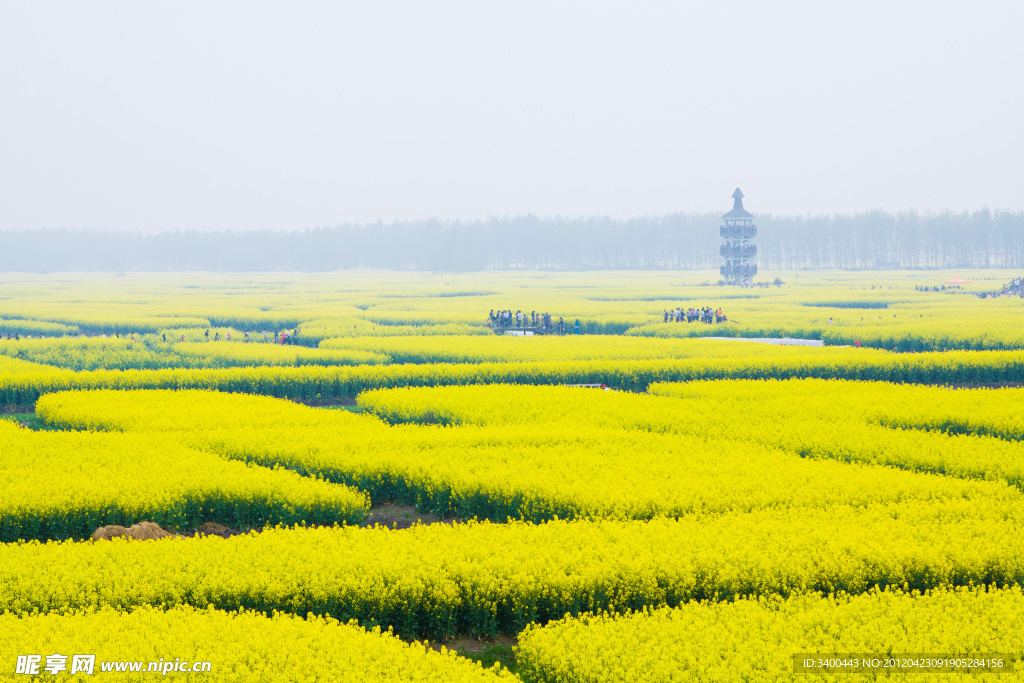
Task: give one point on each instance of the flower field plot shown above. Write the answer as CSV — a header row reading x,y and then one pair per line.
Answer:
x,y
507,349
514,467
196,645
66,484
881,634
727,507
970,434
890,310
483,579
149,352
314,383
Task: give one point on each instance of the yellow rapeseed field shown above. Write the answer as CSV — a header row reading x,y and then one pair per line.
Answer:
x,y
518,467
757,639
973,434
211,645
486,578
66,484
730,504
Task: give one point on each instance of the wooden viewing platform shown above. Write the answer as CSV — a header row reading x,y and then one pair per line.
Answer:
x,y
1014,287
532,329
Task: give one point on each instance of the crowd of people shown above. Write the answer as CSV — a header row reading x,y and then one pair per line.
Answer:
x,y
280,336
521,320
935,288
696,315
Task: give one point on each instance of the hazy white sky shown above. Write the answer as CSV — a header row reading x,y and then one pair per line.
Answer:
x,y
249,115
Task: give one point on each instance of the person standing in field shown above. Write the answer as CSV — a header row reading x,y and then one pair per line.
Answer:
x,y
576,327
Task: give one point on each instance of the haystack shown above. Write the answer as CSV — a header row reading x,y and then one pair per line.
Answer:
x,y
143,531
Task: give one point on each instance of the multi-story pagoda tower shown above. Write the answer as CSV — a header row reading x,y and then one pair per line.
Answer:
x,y
739,253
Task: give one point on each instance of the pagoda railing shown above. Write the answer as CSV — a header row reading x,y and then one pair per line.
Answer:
x,y
738,250
736,272
741,231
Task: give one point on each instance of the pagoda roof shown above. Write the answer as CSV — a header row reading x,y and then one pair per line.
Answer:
x,y
737,207
738,213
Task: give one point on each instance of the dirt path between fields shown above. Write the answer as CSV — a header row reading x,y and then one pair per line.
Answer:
x,y
403,517
470,646
396,517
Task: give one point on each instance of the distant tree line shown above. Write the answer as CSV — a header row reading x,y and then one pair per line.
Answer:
x,y
872,240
